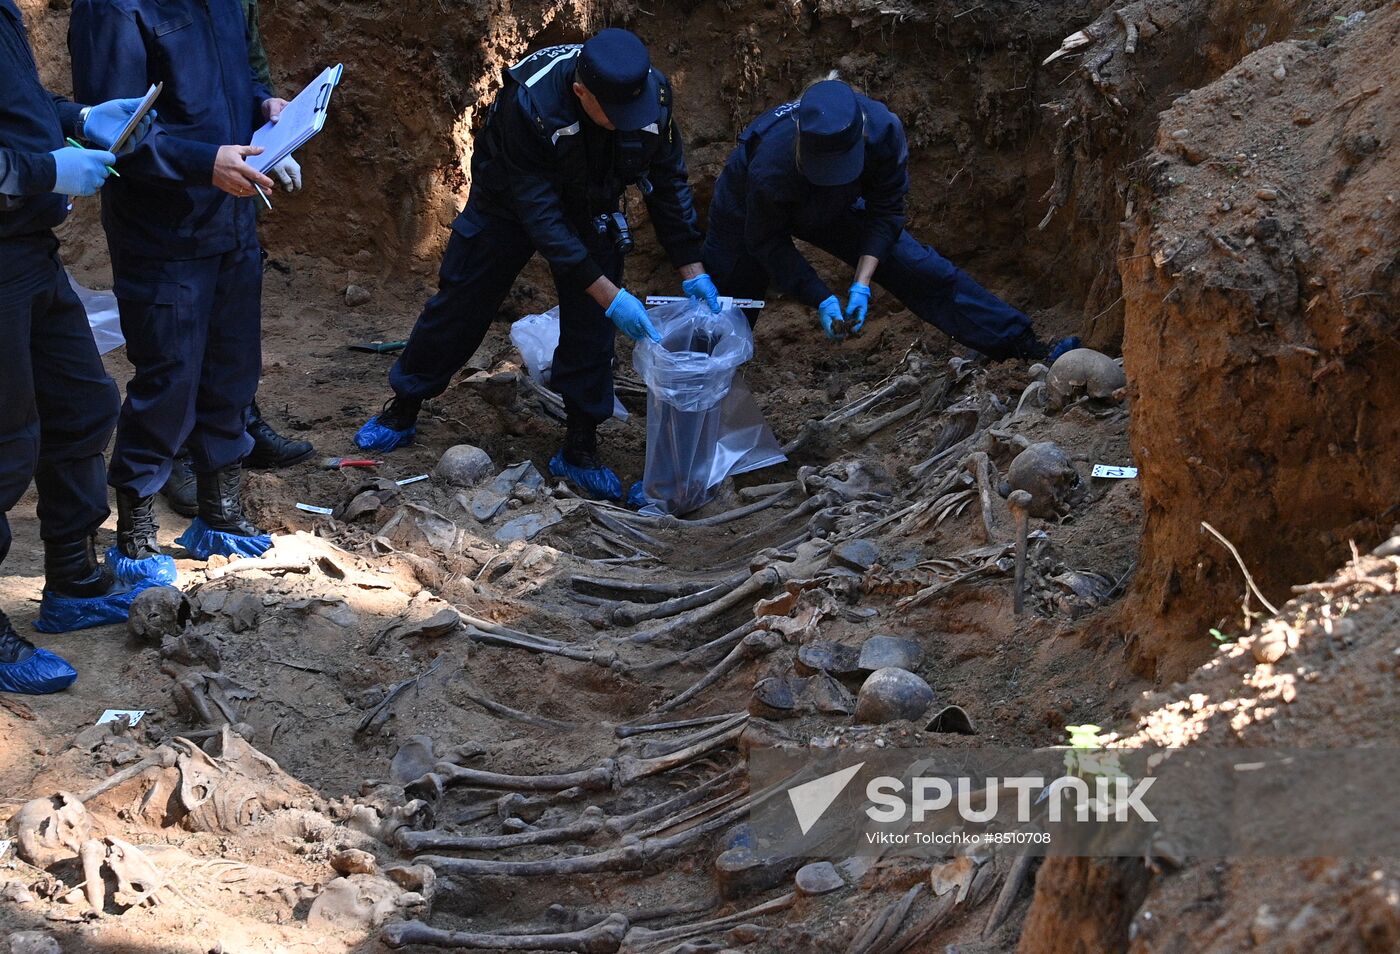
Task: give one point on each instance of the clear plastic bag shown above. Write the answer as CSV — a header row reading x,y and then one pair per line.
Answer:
x,y
101,308
703,424
536,337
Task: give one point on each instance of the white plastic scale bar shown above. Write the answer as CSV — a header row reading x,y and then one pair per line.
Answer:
x,y
724,300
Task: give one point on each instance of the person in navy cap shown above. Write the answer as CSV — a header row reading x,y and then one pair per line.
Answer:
x,y
832,169
571,129
57,405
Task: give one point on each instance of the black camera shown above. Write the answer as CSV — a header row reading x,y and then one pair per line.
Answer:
x,y
613,226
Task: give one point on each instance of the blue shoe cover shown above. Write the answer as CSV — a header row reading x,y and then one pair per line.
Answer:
x,y
599,482
203,542
636,496
376,437
63,614
1061,347
152,571
41,673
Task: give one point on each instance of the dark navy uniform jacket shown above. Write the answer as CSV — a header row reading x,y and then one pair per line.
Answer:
x,y
542,162
763,197
33,123
164,205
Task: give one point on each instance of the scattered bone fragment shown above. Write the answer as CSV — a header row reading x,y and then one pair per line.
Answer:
x,y
414,759
818,878
350,861
589,824
642,939
360,902
605,937
1019,502
892,694
883,652
980,466
952,719
92,854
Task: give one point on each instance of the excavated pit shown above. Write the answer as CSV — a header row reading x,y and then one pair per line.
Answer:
x,y
1060,186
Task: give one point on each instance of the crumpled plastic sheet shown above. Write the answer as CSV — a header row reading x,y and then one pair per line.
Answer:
x,y
152,571
598,482
102,316
41,673
64,614
202,542
373,436
703,424
536,337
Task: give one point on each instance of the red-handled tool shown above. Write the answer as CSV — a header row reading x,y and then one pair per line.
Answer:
x,y
337,463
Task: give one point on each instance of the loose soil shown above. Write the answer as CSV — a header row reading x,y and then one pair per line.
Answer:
x,y
1277,445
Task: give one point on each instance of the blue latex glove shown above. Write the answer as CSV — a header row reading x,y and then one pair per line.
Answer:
x,y
106,121
857,303
630,316
829,311
701,288
80,171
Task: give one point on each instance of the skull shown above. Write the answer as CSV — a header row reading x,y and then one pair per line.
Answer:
x,y
1043,471
157,612
1083,371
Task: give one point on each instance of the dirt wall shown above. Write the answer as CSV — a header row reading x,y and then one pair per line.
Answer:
x,y
1262,336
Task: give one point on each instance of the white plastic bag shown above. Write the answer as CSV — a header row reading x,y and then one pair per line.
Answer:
x,y
703,424
101,308
536,337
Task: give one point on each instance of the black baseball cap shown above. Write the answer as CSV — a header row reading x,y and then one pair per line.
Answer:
x,y
616,69
830,134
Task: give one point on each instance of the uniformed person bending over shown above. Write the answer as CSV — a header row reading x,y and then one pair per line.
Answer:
x,y
832,170
572,128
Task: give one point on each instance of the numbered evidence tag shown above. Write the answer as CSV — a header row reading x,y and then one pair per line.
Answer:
x,y
1122,473
133,716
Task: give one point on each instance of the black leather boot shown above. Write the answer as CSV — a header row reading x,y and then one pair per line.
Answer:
x,y
581,444
136,525
71,568
14,648
179,486
271,449
221,502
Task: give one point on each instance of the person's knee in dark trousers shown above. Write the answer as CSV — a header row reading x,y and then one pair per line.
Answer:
x,y
57,404
832,169
565,137
186,265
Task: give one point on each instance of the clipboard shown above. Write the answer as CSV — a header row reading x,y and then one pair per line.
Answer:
x,y
147,102
299,122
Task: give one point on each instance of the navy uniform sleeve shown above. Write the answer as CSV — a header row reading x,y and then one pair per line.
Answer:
x,y
109,62
884,185
25,173
768,234
33,173
670,203
68,115
538,206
